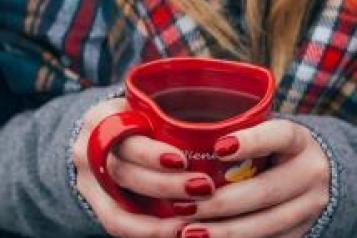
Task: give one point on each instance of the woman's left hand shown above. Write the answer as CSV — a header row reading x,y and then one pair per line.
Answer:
x,y
284,201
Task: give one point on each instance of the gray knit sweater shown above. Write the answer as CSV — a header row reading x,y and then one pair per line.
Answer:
x,y
37,199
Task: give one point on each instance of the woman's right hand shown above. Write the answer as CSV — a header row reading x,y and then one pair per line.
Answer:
x,y
144,166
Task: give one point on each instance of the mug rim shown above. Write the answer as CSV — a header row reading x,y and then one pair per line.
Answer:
x,y
260,107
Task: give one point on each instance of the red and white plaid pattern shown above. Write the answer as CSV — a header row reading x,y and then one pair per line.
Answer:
x,y
321,78
170,33
326,63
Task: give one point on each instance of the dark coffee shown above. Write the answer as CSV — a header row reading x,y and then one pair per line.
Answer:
x,y
202,104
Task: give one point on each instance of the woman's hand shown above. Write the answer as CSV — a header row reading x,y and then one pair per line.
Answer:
x,y
281,202
141,169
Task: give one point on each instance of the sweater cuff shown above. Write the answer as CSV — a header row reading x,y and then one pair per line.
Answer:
x,y
334,191
334,136
71,169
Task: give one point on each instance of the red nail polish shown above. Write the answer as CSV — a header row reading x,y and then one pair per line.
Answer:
x,y
196,233
226,146
172,161
185,209
198,187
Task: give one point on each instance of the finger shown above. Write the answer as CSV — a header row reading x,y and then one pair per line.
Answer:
x,y
269,137
90,120
262,191
116,221
152,154
297,232
271,222
103,110
160,185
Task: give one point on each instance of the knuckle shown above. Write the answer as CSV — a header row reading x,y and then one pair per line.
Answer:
x,y
79,163
323,201
79,156
88,119
268,194
291,218
118,172
252,140
217,205
304,131
130,148
296,136
164,188
303,137
78,150
321,169
265,192
112,229
285,127
290,130
256,136
320,203
265,187
141,154
279,123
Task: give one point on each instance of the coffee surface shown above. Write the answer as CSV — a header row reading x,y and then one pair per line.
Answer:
x,y
201,104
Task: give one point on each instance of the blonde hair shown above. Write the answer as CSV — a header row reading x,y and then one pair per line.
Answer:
x,y
279,28
282,27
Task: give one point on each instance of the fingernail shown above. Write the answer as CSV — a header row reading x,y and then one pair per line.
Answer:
x,y
185,209
196,233
172,161
226,146
198,187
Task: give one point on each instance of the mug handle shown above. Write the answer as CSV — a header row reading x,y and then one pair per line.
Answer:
x,y
109,132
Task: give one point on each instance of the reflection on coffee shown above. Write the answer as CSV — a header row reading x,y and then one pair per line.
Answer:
x,y
204,104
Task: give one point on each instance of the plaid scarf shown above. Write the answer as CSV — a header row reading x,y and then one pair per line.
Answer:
x,y
54,47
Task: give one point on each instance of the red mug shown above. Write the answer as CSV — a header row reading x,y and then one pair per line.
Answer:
x,y
188,103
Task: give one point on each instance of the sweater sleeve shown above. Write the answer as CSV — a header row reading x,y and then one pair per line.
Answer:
x,y
37,199
338,139
36,196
